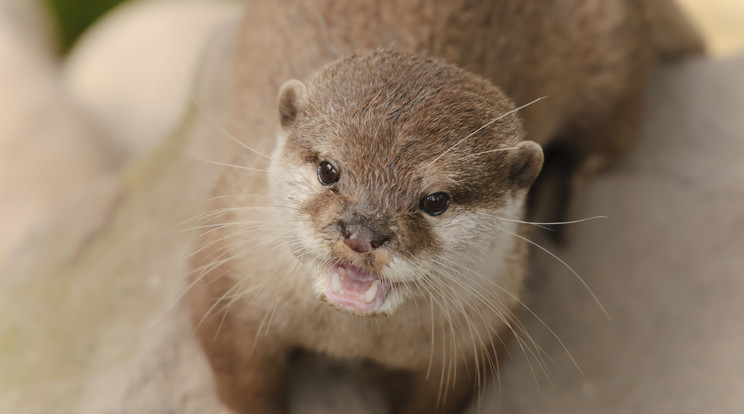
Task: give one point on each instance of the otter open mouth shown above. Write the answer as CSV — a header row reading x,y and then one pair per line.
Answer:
x,y
355,290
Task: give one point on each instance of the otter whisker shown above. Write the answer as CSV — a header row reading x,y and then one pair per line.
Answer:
x,y
483,127
206,114
554,256
488,152
248,196
210,215
451,297
433,300
534,223
533,314
224,310
448,348
482,357
269,317
241,239
219,260
223,225
507,321
203,271
242,293
239,236
225,164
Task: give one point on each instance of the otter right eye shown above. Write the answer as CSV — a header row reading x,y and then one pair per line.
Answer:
x,y
435,204
327,173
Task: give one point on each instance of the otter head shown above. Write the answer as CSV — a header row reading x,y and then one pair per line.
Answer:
x,y
397,172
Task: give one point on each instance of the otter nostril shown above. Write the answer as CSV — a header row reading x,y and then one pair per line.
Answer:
x,y
342,229
379,242
361,238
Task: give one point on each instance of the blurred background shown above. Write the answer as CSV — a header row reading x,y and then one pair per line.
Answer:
x,y
72,17
721,20
722,23
86,87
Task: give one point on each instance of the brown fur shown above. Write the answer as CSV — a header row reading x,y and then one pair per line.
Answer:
x,y
384,118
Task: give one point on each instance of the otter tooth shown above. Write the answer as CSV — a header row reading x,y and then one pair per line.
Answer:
x,y
341,272
370,294
335,283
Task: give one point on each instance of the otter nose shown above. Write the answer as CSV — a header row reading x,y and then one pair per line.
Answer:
x,y
360,238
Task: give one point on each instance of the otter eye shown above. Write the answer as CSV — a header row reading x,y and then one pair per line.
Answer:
x,y
435,204
327,173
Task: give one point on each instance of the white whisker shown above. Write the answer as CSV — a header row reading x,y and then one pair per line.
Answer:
x,y
554,256
201,109
489,151
554,223
482,128
224,164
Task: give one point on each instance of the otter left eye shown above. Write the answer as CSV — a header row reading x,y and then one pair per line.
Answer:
x,y
327,173
435,204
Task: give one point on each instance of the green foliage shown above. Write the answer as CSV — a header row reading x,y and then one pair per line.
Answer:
x,y
74,16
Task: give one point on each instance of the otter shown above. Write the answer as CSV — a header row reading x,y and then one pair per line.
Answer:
x,y
388,226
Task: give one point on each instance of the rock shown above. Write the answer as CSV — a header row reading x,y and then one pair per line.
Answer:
x,y
666,264
47,149
133,69
31,22
90,309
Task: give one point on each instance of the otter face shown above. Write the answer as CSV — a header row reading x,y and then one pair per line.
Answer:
x,y
398,172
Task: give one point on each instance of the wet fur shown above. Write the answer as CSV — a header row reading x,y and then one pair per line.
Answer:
x,y
254,302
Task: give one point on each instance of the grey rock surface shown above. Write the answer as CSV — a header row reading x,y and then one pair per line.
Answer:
x,y
48,150
667,264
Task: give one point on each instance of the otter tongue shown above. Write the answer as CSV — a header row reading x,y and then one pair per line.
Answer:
x,y
355,289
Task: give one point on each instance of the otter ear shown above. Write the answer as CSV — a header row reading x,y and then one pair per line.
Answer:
x,y
526,163
292,100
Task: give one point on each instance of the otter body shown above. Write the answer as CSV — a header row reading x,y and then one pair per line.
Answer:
x,y
387,227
